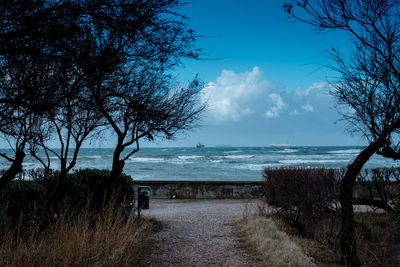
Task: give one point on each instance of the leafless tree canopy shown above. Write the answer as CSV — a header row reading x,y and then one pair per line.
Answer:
x,y
132,47
77,66
37,70
368,91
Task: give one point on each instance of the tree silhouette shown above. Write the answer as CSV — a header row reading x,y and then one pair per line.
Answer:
x,y
132,48
78,65
368,92
37,40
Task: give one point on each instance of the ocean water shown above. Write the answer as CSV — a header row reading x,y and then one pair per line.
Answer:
x,y
215,163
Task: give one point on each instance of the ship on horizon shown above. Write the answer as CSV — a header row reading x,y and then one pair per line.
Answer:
x,y
199,145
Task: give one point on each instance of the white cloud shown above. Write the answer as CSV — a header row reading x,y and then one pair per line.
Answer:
x,y
247,108
294,112
248,95
279,105
307,107
315,98
312,89
236,95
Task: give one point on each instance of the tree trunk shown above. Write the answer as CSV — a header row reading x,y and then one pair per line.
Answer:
x,y
15,168
117,168
347,237
56,194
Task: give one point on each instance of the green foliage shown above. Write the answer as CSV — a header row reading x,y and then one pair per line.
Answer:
x,y
25,200
89,186
85,189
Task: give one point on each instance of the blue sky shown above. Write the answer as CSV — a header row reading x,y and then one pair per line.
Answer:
x,y
268,84
264,79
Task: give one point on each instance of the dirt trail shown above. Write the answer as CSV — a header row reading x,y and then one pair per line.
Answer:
x,y
197,233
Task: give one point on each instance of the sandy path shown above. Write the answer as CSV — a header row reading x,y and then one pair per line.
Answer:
x,y
197,233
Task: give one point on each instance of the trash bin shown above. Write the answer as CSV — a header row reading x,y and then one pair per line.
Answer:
x,y
143,197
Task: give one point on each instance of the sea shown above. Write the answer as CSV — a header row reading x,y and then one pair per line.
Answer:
x,y
214,163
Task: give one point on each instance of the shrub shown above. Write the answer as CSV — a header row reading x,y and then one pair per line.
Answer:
x,y
25,201
88,186
312,192
45,177
377,188
109,238
300,191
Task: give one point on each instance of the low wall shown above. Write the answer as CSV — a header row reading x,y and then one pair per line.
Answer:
x,y
203,189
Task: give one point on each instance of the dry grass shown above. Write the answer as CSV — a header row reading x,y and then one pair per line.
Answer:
x,y
316,239
271,246
376,234
109,238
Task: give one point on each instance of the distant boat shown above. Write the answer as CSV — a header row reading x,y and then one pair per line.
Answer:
x,y
280,145
199,145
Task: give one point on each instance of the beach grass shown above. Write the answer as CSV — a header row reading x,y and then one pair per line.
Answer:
x,y
107,238
270,245
274,242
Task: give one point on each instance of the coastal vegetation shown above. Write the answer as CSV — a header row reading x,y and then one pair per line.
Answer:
x,y
72,71
87,228
109,237
269,244
305,203
367,92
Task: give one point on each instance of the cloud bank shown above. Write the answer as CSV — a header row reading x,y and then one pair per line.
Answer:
x,y
234,96
243,96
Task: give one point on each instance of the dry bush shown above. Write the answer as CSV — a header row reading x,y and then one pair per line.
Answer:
x,y
108,238
376,233
377,188
297,192
312,192
271,246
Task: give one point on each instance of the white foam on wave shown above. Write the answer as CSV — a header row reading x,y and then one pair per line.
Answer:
x,y
232,152
144,159
190,157
345,151
256,167
31,165
216,160
287,150
307,161
28,164
91,157
238,156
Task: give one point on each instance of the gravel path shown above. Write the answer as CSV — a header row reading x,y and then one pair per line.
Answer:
x,y
197,233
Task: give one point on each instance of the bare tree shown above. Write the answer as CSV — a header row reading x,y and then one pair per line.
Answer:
x,y
73,121
18,135
107,58
148,108
36,41
129,57
368,92
21,124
